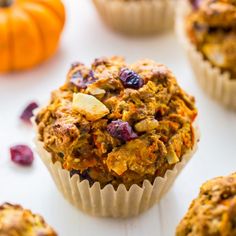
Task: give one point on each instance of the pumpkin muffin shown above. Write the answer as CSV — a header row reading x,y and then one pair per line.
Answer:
x,y
16,221
137,17
210,29
213,212
118,124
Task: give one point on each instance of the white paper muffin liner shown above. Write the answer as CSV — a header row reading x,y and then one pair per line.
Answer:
x,y
108,202
220,86
137,17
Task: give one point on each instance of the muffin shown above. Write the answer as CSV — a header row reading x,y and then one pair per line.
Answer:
x,y
208,30
213,212
16,221
125,129
137,16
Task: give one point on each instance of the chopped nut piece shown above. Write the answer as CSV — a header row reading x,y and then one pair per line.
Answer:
x,y
146,125
172,158
95,91
89,106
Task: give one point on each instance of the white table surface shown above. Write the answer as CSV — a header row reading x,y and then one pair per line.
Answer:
x,y
85,38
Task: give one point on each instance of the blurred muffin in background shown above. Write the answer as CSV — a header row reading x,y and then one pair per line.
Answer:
x,y
209,32
213,212
138,17
16,221
211,27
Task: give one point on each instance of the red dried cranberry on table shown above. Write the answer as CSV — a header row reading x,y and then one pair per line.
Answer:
x,y
78,81
22,155
121,130
130,79
28,112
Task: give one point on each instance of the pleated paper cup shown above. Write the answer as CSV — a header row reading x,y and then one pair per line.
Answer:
x,y
137,16
219,86
108,202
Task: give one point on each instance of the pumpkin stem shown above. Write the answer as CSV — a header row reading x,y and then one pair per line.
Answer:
x,y
6,3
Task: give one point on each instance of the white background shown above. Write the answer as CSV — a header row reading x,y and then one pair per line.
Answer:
x,y
85,38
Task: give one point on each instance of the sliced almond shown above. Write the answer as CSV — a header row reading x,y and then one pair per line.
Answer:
x,y
89,106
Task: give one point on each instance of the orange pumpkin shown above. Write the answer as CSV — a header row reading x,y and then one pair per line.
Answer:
x,y
29,32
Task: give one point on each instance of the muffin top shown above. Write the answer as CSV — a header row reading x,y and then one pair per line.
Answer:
x,y
16,221
211,26
118,123
213,213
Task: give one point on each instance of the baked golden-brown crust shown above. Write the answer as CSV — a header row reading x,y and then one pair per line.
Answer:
x,y
118,123
211,26
16,221
213,212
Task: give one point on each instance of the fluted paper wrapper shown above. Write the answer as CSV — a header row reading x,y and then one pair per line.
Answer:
x,y
137,17
108,202
220,86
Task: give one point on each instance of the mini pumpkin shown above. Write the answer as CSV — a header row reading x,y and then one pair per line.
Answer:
x,y
29,32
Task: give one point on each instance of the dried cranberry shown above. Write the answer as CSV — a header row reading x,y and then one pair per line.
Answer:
x,y
28,112
81,82
130,79
121,130
22,155
85,176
